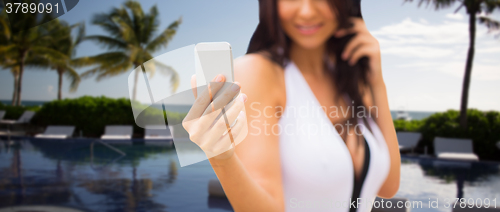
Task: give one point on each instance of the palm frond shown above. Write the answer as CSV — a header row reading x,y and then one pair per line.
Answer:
x,y
54,56
174,81
105,21
491,5
80,36
135,7
493,25
151,24
127,31
8,49
137,15
4,25
115,69
38,62
108,42
90,73
163,39
154,66
74,77
82,62
107,62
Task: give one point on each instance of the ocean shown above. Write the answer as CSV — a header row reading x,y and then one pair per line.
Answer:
x,y
25,103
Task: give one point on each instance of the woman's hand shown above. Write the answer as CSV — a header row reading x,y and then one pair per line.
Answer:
x,y
208,122
362,45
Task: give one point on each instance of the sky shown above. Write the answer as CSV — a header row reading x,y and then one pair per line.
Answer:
x,y
423,50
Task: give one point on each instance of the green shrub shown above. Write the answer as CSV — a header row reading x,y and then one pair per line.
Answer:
x,y
408,126
89,114
482,127
14,112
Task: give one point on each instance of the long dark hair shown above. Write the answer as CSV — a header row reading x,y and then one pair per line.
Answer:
x,y
270,38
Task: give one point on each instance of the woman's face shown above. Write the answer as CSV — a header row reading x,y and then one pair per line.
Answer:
x,y
309,23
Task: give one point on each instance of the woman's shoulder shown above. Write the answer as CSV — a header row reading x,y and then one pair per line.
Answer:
x,y
259,75
257,64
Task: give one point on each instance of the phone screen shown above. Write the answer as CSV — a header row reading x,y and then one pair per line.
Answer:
x,y
211,61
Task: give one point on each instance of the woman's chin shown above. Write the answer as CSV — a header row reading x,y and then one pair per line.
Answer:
x,y
311,44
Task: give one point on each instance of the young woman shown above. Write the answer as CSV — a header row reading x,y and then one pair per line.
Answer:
x,y
304,55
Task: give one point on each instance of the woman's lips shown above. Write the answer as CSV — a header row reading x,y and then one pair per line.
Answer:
x,y
308,29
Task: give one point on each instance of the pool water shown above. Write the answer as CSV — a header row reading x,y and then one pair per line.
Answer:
x,y
89,176
425,178
68,173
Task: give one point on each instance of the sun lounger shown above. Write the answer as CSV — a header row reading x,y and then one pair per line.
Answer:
x,y
117,132
2,114
57,132
408,140
24,119
454,149
157,132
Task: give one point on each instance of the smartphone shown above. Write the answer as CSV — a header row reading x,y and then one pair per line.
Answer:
x,y
212,59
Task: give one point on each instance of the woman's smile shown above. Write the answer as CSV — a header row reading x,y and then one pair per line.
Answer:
x,y
308,29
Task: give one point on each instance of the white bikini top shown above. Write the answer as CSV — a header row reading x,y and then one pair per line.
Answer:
x,y
317,168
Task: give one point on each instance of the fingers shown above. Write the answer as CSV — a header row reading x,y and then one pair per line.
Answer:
x,y
233,138
201,102
221,126
238,133
359,53
224,98
194,88
358,25
359,46
343,32
353,44
238,129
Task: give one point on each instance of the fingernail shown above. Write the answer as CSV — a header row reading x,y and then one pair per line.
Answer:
x,y
219,78
243,97
241,114
344,56
235,86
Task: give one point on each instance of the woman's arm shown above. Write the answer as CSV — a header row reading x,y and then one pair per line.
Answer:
x,y
251,178
386,125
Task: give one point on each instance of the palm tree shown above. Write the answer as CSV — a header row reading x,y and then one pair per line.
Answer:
x,y
21,42
15,74
130,42
473,8
6,61
63,42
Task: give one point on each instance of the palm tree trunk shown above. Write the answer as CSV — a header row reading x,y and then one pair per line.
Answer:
x,y
60,72
136,78
14,92
468,67
20,80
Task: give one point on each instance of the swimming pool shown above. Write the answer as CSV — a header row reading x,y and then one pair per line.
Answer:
x,y
92,177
